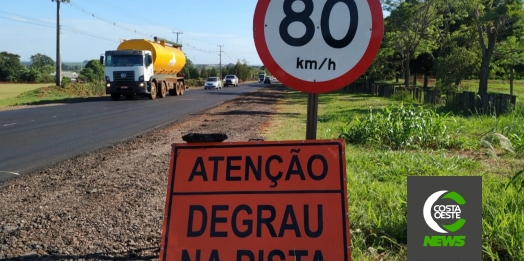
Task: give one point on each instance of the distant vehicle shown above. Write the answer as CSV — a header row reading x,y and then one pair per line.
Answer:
x,y
213,83
261,77
267,80
146,68
231,79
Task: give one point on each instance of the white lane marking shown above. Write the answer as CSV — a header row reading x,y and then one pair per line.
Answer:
x,y
9,172
10,124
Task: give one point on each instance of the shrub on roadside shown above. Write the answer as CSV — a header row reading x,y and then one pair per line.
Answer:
x,y
66,81
195,82
88,89
45,78
403,96
401,127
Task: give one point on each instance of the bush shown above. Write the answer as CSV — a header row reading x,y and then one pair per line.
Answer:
x,y
404,96
29,75
195,82
46,78
399,128
66,81
89,89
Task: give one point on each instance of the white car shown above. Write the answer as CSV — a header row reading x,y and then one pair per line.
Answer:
x,y
231,79
213,83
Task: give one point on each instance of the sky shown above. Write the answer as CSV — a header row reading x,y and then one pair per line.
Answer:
x,y
90,27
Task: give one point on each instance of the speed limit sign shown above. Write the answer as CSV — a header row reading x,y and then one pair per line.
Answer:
x,y
317,46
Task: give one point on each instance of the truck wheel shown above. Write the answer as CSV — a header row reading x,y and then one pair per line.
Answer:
x,y
115,96
177,87
152,95
162,90
182,88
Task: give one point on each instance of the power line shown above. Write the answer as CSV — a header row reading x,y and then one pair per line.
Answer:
x,y
198,49
106,21
65,28
144,34
78,31
118,9
50,26
128,29
113,8
230,57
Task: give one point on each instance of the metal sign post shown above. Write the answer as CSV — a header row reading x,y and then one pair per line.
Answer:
x,y
312,114
318,56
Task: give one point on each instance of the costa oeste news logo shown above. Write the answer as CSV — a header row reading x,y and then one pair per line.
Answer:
x,y
435,213
444,218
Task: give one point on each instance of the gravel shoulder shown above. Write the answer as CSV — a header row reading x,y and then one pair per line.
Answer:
x,y
108,205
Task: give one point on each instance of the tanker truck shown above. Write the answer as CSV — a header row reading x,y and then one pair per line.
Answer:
x,y
144,68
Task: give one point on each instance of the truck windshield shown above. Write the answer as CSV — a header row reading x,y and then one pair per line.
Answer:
x,y
124,60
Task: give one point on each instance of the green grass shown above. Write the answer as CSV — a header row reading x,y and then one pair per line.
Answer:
x,y
498,86
49,94
377,175
11,90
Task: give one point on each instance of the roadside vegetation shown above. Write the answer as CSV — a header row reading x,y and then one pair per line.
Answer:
x,y
388,140
35,82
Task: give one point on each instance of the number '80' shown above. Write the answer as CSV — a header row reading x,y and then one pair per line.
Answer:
x,y
304,18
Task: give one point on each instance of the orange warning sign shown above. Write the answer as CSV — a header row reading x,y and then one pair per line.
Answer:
x,y
257,201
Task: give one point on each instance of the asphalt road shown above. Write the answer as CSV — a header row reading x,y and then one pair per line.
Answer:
x,y
34,138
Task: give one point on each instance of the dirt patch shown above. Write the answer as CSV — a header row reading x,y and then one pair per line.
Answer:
x,y
109,204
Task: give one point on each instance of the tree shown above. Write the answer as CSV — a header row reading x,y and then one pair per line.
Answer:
x,y
408,29
93,71
189,70
213,71
30,75
452,19
89,75
424,64
10,66
382,66
510,53
40,61
453,68
241,70
204,72
495,20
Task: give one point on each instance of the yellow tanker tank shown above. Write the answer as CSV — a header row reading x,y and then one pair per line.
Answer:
x,y
166,59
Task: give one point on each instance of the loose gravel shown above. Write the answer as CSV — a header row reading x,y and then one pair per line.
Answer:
x,y
108,204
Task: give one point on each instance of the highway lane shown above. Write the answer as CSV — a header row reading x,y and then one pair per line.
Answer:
x,y
34,138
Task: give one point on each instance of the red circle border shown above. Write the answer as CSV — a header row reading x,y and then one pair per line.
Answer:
x,y
377,23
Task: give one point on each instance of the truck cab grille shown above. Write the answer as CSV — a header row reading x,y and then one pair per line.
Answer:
x,y
124,77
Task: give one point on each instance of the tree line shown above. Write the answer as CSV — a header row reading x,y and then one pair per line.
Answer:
x,y
451,41
242,70
41,66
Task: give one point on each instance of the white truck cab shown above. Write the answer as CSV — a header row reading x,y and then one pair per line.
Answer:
x,y
127,72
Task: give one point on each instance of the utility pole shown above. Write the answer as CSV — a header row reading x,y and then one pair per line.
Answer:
x,y
177,33
220,54
58,75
